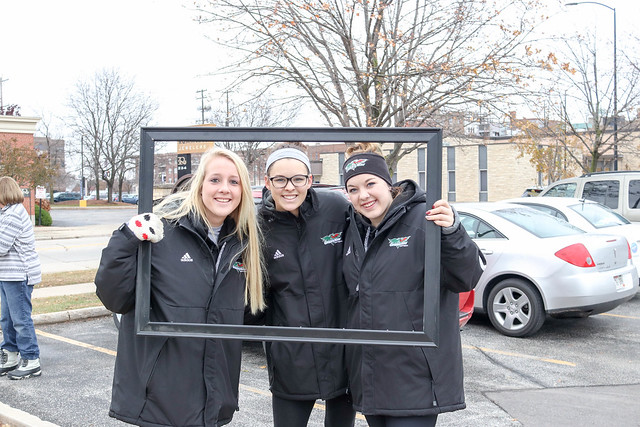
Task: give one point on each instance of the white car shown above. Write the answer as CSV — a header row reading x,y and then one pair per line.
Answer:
x,y
589,216
539,265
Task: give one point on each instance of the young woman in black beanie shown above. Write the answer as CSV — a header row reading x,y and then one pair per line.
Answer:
x,y
384,247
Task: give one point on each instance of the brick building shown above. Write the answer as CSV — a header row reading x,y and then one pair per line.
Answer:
x,y
20,130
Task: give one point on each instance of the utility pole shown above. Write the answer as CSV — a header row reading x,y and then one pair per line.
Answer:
x,y
82,166
1,103
202,107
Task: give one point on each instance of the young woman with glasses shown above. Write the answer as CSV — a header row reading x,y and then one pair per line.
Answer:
x,y
303,245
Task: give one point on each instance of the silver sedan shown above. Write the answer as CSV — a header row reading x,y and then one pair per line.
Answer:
x,y
589,216
539,265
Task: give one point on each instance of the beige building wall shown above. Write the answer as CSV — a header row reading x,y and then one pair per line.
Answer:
x,y
508,175
467,174
330,169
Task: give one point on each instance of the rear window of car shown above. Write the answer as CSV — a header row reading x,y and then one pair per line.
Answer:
x,y
567,189
606,192
634,194
538,223
598,215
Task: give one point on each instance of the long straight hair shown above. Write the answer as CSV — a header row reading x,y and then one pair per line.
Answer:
x,y
190,202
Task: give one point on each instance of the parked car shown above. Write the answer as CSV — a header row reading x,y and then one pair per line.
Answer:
x,y
66,195
130,198
618,190
589,216
532,191
539,265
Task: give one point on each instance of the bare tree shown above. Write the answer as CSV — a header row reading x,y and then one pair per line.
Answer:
x,y
109,112
574,121
52,142
382,62
257,112
24,164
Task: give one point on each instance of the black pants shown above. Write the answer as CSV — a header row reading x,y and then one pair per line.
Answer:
x,y
296,413
385,421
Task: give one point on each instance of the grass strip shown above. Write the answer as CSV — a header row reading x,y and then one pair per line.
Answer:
x,y
67,278
64,303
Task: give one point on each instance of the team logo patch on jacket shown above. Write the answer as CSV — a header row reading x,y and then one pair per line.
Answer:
x,y
355,164
239,266
399,242
332,238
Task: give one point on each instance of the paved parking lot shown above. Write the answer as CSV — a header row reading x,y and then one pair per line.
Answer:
x,y
574,372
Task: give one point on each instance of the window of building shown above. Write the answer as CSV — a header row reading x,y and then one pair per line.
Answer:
x,y
340,163
451,174
483,195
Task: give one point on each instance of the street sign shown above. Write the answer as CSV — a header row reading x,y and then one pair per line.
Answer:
x,y
41,192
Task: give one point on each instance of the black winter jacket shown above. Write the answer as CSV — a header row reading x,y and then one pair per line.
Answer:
x,y
386,288
161,381
305,288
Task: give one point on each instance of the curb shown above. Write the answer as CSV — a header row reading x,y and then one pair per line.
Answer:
x,y
12,417
65,316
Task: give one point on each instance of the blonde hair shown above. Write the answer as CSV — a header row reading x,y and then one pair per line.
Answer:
x,y
10,192
190,202
364,147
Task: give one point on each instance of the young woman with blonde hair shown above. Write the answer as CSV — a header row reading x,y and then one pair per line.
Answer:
x,y
205,267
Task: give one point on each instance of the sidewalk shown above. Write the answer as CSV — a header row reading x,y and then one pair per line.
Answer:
x,y
44,233
14,417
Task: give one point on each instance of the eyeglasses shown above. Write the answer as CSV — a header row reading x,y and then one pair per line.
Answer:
x,y
282,181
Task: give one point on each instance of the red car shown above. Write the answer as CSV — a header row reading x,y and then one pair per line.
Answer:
x,y
466,307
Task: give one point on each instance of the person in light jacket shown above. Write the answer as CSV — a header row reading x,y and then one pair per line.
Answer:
x,y
303,251
384,249
205,266
19,272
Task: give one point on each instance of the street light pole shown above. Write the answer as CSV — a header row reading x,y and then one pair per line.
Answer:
x,y
82,166
615,79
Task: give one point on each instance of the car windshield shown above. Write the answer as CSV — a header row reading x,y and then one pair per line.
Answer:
x,y
599,216
538,223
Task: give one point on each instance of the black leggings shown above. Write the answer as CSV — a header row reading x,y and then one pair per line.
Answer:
x,y
296,413
386,421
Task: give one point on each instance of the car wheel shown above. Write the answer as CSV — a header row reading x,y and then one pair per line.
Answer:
x,y
515,308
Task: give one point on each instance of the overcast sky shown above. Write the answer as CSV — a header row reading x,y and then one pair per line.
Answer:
x,y
49,45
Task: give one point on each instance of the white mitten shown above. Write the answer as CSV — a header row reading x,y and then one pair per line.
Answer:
x,y
147,226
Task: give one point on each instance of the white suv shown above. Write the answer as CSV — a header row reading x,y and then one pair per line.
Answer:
x,y
619,190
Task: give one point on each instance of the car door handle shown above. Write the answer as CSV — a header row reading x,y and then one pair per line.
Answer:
x,y
487,251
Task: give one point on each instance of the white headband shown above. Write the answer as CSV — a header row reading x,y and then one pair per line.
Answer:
x,y
288,153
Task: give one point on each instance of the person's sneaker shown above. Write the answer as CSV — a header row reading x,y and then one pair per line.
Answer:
x,y
26,369
8,361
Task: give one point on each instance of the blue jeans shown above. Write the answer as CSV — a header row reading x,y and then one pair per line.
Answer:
x,y
18,332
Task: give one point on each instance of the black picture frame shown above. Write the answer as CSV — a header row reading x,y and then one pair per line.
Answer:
x,y
428,337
